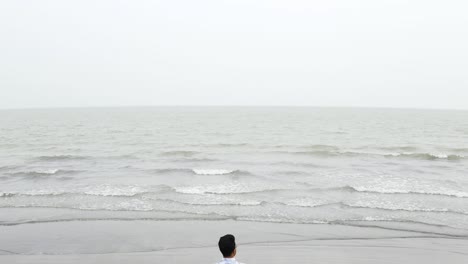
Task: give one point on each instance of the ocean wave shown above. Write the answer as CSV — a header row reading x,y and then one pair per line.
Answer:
x,y
45,193
232,188
109,190
280,220
298,164
450,193
407,155
307,202
61,158
212,202
43,173
327,153
213,171
345,188
398,207
33,193
314,203
230,145
134,209
385,190
319,153
317,147
94,190
239,188
399,148
310,203
427,156
171,170
139,192
199,171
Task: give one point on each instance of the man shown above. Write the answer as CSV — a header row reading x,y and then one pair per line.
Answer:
x,y
227,246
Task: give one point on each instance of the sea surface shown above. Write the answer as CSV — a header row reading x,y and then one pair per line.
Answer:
x,y
386,168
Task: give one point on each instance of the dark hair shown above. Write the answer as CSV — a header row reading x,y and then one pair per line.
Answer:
x,y
227,244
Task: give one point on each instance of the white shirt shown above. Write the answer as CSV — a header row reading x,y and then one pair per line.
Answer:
x,y
229,261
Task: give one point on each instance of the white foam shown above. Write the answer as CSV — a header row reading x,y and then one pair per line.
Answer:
x,y
427,155
41,192
229,188
390,190
48,171
112,190
376,218
389,205
306,202
97,190
213,199
212,171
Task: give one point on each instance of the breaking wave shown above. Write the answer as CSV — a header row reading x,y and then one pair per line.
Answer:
x,y
450,193
93,190
406,155
43,173
320,153
199,171
396,207
233,188
265,188
304,202
427,156
224,189
213,171
171,171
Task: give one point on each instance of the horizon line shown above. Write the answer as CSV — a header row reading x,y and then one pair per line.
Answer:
x,y
258,106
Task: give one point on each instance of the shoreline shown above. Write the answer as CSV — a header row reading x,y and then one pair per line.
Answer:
x,y
195,241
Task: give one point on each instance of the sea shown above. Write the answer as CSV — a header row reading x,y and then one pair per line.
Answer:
x,y
399,169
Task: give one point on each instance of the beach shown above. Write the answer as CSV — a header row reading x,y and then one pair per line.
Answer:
x,y
162,184
196,242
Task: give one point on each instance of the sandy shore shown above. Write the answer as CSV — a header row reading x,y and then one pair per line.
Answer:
x,y
195,242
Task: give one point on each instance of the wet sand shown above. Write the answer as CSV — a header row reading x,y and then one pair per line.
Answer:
x,y
105,242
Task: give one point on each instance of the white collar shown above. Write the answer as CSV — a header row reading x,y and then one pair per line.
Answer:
x,y
230,260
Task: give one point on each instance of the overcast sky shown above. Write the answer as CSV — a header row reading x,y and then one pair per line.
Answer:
x,y
395,53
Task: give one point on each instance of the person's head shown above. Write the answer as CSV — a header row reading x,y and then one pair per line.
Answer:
x,y
227,246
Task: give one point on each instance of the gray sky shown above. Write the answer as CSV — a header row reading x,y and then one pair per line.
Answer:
x,y
395,53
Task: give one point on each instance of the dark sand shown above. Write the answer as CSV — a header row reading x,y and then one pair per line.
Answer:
x,y
195,241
